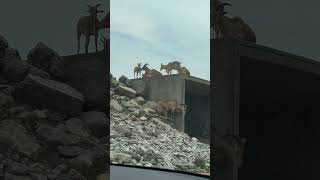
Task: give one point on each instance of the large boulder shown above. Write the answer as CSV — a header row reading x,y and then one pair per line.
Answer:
x,y
125,91
139,86
44,93
123,79
42,57
14,69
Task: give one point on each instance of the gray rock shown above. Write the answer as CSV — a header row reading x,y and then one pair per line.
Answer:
x,y
124,80
57,171
18,169
40,114
6,89
76,175
114,83
140,100
70,151
97,122
10,176
83,162
151,104
36,176
139,86
15,136
14,69
42,57
38,72
121,158
50,94
5,99
114,105
10,52
56,136
125,91
3,43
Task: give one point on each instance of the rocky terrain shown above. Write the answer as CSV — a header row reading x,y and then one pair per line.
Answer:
x,y
45,133
138,136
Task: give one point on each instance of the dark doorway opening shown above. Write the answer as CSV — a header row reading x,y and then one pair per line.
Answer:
x,y
197,114
280,118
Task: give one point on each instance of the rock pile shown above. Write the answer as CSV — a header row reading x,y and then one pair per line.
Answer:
x,y
44,133
138,136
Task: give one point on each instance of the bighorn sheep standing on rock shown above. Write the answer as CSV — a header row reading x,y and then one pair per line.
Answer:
x,y
183,71
170,66
90,25
230,27
175,64
137,70
167,67
150,72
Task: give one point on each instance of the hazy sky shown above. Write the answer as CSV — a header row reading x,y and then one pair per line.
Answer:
x,y
156,32
289,25
24,23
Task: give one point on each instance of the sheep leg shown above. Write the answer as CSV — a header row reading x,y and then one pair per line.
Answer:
x,y
87,42
78,38
96,41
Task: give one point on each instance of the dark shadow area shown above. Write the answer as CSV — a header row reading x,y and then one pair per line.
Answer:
x,y
197,114
279,117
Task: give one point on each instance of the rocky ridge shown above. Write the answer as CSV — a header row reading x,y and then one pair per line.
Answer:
x,y
45,133
138,136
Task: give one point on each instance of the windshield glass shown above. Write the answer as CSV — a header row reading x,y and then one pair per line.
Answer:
x,y
160,76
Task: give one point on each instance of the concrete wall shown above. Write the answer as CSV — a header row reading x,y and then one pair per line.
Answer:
x,y
88,74
168,87
191,91
197,116
270,98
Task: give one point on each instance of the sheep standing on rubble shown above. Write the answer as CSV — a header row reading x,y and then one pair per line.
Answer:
x,y
230,27
170,108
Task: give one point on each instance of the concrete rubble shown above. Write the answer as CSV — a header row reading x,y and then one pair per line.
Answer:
x,y
138,136
44,132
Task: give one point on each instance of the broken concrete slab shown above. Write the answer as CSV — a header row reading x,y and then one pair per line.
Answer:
x,y
42,57
125,91
50,94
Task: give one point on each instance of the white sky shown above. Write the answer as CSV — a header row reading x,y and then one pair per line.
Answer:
x,y
156,32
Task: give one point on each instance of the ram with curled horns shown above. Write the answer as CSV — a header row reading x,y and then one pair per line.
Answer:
x,y
230,27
